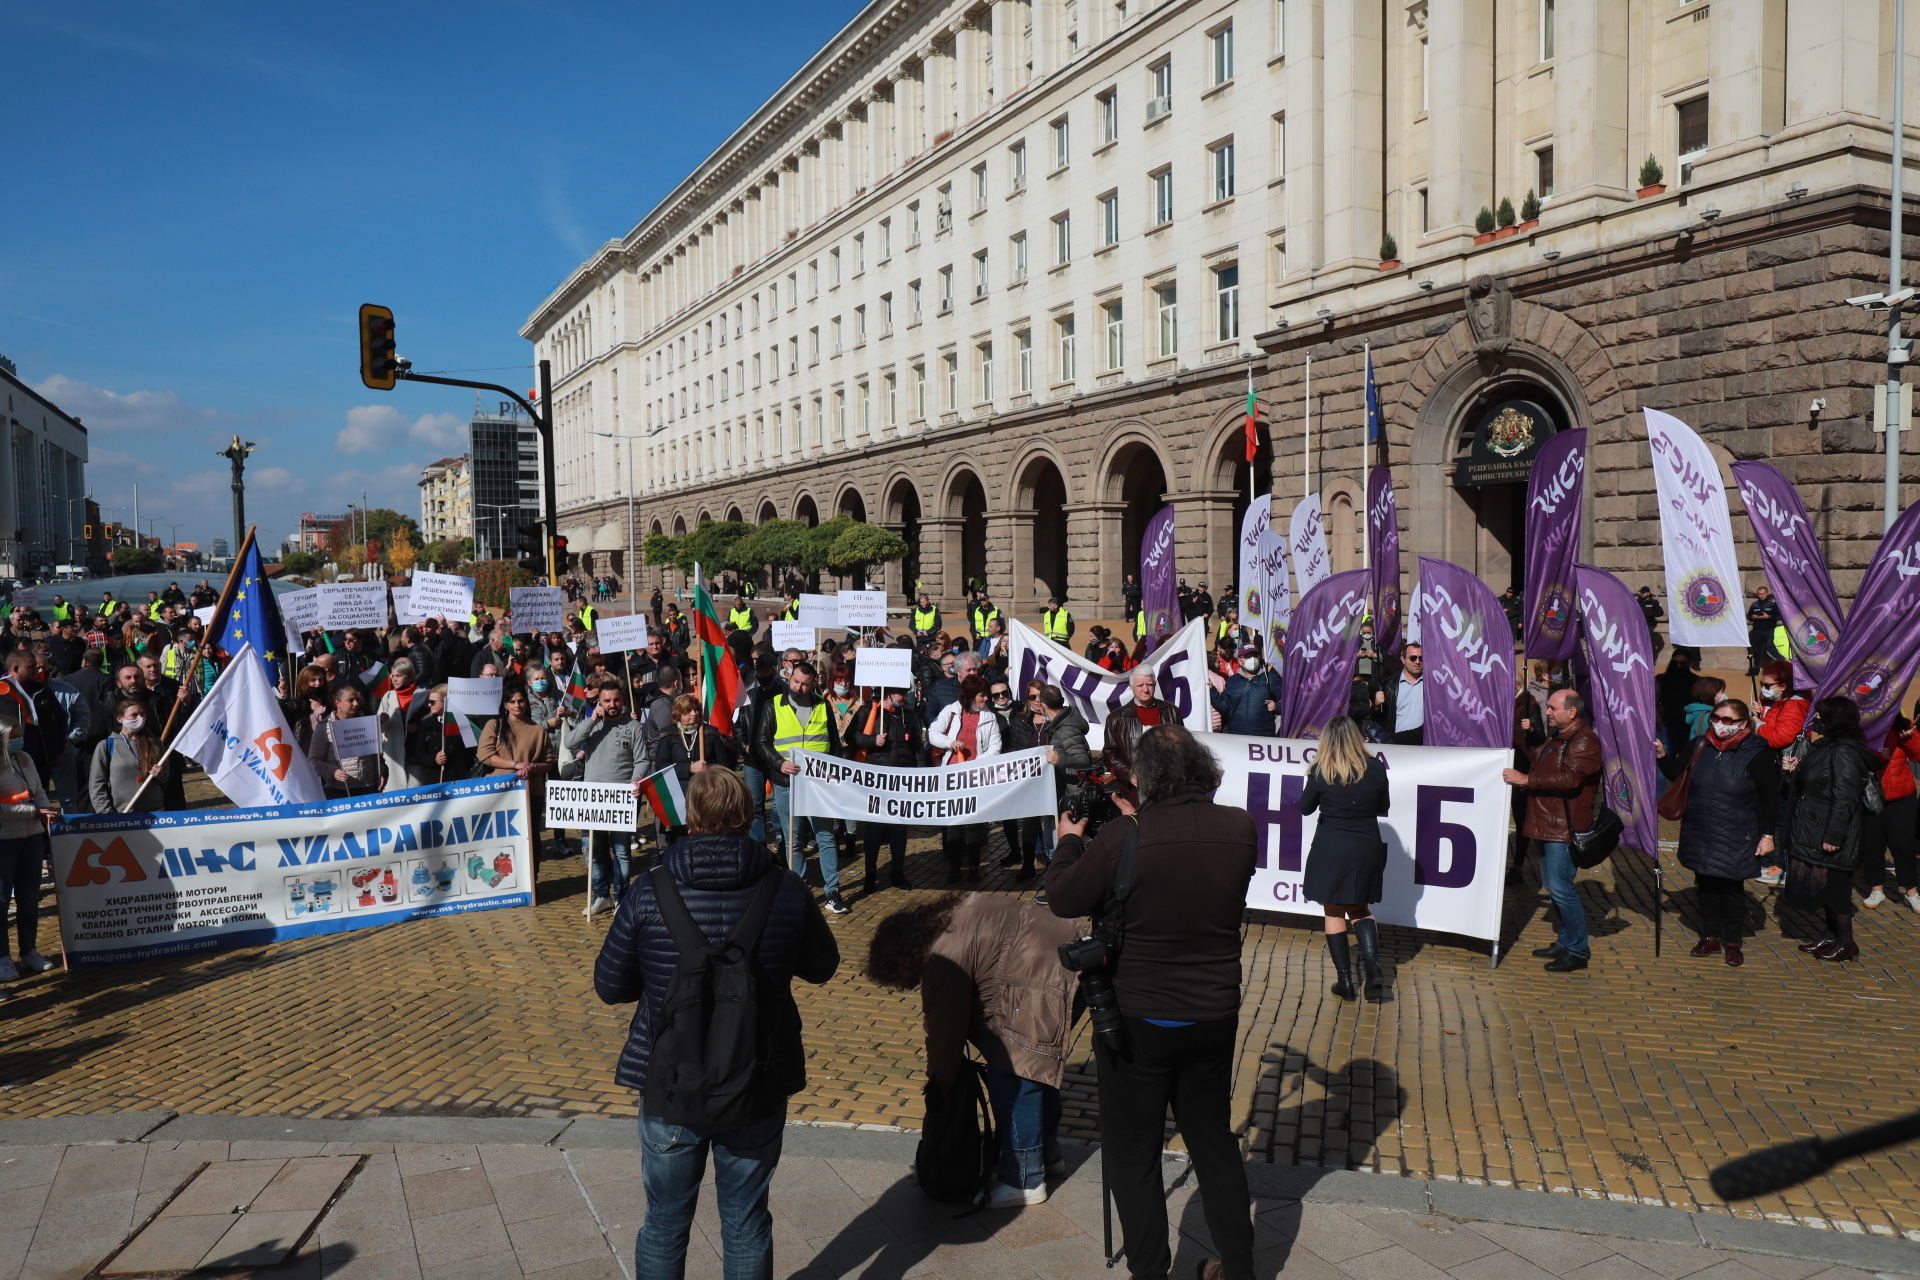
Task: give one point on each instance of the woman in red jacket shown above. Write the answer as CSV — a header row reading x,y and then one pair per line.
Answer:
x,y
1784,715
1892,829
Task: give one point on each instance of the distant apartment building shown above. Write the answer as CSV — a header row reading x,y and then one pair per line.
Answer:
x,y
503,455
42,481
446,500
315,533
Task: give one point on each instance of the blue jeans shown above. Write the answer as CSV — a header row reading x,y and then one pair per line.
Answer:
x,y
610,851
1556,868
21,862
673,1160
822,836
757,785
1027,1114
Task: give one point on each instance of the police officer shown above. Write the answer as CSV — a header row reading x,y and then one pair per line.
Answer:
x,y
926,619
792,612
741,618
983,613
1057,622
587,614
1202,603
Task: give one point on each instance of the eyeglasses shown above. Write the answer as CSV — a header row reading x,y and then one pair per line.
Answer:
x,y
1413,658
1727,720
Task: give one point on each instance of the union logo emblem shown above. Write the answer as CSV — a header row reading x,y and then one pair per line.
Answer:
x,y
1873,688
1814,635
1704,599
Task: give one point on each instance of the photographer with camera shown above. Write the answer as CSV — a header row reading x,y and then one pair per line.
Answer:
x,y
1161,976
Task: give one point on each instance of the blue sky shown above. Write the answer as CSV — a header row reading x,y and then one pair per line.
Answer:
x,y
201,195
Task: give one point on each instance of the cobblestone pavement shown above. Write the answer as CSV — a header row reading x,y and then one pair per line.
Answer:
x,y
1627,1081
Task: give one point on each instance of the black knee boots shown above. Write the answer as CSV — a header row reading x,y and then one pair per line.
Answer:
x,y
1367,933
1344,984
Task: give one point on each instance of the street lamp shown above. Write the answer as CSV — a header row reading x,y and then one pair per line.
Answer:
x,y
632,607
488,506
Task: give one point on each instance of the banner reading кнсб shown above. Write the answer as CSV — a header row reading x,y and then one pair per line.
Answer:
x,y
134,886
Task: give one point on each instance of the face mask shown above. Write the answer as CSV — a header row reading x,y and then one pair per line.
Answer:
x,y
1250,665
1725,730
541,686
133,724
16,744
842,690
1770,695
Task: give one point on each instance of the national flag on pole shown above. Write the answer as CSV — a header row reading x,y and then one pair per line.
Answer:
x,y
1253,418
251,617
719,677
664,793
576,691
379,681
455,725
1373,401
240,736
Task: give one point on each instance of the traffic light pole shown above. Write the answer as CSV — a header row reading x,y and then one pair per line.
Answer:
x,y
542,421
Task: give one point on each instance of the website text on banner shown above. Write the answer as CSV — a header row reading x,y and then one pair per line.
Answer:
x,y
1016,785
1179,667
1446,831
133,886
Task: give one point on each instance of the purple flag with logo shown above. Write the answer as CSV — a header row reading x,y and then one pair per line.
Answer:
x,y
1159,595
1879,648
1468,645
1619,657
1796,568
1323,646
1383,535
1553,539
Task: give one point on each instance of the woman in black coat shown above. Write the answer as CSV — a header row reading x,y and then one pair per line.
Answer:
x,y
1825,821
1732,801
1348,858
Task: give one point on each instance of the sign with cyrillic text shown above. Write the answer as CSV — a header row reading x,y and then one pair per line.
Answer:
x,y
479,696
862,609
537,608
301,609
621,635
1019,785
359,736
819,611
441,595
887,668
793,635
345,605
592,806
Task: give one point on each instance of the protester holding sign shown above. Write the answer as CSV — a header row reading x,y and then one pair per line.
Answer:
x,y
689,748
402,707
965,730
606,746
514,743
343,775
1345,868
888,732
436,748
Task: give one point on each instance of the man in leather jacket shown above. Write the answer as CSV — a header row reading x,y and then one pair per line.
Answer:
x,y
1123,730
1562,783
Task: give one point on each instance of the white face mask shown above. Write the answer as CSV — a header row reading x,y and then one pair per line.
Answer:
x,y
1250,665
133,724
1770,694
1725,730
842,690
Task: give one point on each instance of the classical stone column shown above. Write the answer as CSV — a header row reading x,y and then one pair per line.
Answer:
x,y
1049,41
1355,102
1204,537
1094,574
1302,135
1837,64
1592,167
1010,546
1460,115
1005,16
940,559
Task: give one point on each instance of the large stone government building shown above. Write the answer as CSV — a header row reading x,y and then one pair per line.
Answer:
x,y
997,274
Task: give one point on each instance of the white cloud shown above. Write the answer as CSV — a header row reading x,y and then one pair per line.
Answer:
x,y
381,426
143,411
439,430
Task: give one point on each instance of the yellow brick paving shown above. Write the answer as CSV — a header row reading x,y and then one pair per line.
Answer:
x,y
1627,1081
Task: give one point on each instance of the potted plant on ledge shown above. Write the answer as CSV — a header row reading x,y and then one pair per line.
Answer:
x,y
1505,216
1389,252
1529,212
1651,175
1483,225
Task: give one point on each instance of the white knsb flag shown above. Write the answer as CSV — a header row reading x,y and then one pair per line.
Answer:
x,y
1705,603
239,736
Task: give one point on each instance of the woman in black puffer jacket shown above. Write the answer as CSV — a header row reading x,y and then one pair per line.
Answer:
x,y
716,870
1732,804
1825,820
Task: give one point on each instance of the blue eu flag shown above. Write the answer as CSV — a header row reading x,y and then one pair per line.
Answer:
x,y
252,617
1373,404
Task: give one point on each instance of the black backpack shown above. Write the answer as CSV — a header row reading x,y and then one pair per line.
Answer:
x,y
710,1047
958,1148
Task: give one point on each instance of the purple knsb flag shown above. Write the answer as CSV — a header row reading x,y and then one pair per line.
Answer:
x,y
1323,645
1159,595
1796,568
1383,534
1468,645
1619,654
1553,539
1879,647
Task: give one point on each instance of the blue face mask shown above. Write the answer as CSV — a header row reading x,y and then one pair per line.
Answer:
x,y
541,686
16,744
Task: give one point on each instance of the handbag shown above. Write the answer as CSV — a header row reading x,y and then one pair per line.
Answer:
x,y
1596,844
1673,801
958,1148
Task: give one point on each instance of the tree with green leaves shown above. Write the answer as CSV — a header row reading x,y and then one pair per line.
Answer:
x,y
862,546
135,560
302,563
775,545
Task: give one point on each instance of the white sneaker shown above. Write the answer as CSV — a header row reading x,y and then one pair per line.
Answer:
x,y
1002,1196
7,972
34,962
1770,875
1913,900
1874,899
598,905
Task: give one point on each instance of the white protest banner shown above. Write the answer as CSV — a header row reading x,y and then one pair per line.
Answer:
x,y
1252,584
359,736
537,608
301,609
621,635
1179,666
1017,785
1704,600
240,736
476,697
819,611
205,615
793,635
1276,610
26,597
134,886
1446,829
1307,542
887,668
862,609
441,595
592,806
344,605
403,607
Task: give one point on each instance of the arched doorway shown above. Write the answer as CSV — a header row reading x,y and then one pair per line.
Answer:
x,y
1040,565
1231,472
1141,484
903,517
967,503
854,507
733,514
806,512
1490,492
767,512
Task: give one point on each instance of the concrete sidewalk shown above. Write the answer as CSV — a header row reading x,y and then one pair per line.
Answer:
x,y
154,1193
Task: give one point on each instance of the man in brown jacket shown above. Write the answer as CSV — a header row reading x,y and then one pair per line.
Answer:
x,y
1562,783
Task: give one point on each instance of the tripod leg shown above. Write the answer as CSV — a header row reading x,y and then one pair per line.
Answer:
x,y
1106,1212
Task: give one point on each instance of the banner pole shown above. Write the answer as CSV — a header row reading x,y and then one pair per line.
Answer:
x,y
1306,423
1659,883
141,789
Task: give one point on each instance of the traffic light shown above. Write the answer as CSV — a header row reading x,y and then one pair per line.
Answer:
x,y
532,558
378,363
559,553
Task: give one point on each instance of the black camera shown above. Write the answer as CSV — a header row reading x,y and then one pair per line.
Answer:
x,y
1092,958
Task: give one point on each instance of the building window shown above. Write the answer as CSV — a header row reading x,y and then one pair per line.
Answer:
x,y
1223,54
1279,28
913,297
1163,197
1167,310
1692,120
946,288
819,422
793,354
1543,171
1019,257
913,224
1280,145
979,187
886,314
1063,329
984,353
1546,30
840,416
756,368
943,213
1426,69
1426,213
919,392
1226,296
892,391
859,254
1023,360
813,278
1116,349
1110,116
1017,155
950,366
1063,239
865,422
1223,171
859,325
793,290
886,240
980,274
813,345
833,264
1160,102
1061,150
837,343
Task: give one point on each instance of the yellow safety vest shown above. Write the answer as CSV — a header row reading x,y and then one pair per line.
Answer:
x,y
61,612
153,610
172,662
1058,624
587,616
925,619
1782,643
981,617
788,733
792,613
1220,633
1140,625
741,618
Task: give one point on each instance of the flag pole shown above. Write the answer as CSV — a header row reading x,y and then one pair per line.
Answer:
x,y
207,638
1366,502
1306,467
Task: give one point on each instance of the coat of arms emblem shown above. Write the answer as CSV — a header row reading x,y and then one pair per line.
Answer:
x,y
1510,433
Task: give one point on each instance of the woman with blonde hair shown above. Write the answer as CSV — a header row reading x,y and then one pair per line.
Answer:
x,y
1345,866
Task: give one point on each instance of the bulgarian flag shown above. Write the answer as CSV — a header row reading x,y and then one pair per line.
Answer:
x,y
669,802
1253,419
576,691
719,678
379,681
455,725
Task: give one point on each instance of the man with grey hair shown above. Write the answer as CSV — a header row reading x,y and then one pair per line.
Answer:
x,y
1562,783
1124,729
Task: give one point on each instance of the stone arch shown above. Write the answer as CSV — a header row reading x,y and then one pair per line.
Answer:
x,y
1341,505
1124,441
1135,476
963,529
1221,493
900,511
850,503
733,513
767,510
957,463
1038,525
805,509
